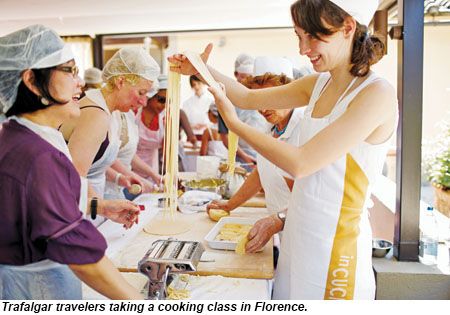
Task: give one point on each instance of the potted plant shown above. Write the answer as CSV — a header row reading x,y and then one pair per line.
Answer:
x,y
436,167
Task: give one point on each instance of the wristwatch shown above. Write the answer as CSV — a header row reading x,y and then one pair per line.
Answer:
x,y
94,204
282,217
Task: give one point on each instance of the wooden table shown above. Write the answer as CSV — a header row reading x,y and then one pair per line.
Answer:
x,y
225,263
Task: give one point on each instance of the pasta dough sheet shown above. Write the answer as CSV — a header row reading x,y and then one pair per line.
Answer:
x,y
232,232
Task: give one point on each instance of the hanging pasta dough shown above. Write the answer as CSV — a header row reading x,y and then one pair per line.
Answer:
x,y
167,222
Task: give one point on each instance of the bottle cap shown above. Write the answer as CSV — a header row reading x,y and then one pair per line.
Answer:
x,y
430,208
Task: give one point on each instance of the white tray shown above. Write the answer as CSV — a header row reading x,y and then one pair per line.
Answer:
x,y
210,237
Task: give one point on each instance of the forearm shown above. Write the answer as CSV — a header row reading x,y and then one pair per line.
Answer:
x,y
138,165
248,189
184,121
104,278
236,92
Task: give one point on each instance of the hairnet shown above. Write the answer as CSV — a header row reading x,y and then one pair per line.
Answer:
x,y
244,64
34,47
93,76
132,60
361,11
162,85
273,65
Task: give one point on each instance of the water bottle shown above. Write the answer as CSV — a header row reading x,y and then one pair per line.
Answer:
x,y
428,248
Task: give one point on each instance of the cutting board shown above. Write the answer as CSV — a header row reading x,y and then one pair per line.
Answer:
x,y
225,263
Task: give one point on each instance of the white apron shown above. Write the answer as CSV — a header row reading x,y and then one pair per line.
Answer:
x,y
216,148
326,251
97,172
45,279
150,141
275,187
126,153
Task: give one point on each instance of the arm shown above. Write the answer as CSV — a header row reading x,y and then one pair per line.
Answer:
x,y
184,121
294,94
370,117
137,164
248,189
205,140
86,137
262,231
104,278
126,177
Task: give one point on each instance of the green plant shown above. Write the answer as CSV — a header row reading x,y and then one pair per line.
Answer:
x,y
436,158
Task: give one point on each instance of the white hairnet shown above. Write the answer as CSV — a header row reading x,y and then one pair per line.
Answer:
x,y
244,64
162,85
93,76
361,11
273,65
132,60
34,47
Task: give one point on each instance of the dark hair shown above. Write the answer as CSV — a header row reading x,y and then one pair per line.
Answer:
x,y
28,102
367,50
193,78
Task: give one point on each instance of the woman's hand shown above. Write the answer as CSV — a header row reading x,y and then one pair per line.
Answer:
x,y
261,233
148,186
193,140
219,204
127,181
121,211
225,107
182,65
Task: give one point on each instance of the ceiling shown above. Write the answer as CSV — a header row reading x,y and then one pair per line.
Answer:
x,y
90,17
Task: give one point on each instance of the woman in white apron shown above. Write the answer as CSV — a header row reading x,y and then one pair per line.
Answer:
x,y
284,125
94,138
210,146
326,248
45,240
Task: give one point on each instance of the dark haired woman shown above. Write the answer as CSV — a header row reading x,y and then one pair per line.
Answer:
x,y
350,116
44,238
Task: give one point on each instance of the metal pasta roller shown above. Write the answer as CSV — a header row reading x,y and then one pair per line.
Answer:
x,y
167,256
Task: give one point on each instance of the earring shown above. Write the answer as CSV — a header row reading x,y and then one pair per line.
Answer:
x,y
44,101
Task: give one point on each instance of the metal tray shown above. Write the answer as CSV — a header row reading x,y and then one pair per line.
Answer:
x,y
227,245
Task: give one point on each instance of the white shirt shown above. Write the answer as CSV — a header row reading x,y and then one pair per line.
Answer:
x,y
197,108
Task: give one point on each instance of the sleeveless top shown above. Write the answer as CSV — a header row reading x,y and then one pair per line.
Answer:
x,y
96,174
326,252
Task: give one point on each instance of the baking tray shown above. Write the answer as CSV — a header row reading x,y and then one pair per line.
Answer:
x,y
227,245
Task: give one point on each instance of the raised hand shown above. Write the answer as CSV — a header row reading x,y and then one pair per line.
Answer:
x,y
182,65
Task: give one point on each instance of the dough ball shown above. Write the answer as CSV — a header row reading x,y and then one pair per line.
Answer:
x,y
216,214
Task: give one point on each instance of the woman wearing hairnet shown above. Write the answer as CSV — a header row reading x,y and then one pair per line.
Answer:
x,y
94,137
350,117
284,125
43,235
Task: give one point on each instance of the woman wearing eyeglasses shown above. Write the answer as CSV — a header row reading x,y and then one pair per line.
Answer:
x,y
94,137
46,244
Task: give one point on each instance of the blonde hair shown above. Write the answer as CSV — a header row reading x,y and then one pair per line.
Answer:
x,y
131,79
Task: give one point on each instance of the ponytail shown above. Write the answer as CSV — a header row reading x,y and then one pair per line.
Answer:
x,y
367,50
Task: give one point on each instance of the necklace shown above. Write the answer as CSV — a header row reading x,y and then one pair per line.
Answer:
x,y
279,133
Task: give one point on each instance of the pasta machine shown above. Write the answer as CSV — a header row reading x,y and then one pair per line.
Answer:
x,y
164,257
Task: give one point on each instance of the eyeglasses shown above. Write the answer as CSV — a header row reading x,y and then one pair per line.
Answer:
x,y
161,99
74,70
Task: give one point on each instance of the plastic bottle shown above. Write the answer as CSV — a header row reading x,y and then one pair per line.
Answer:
x,y
428,248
